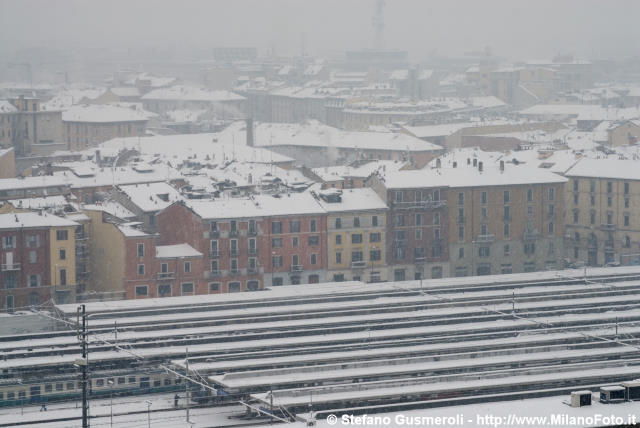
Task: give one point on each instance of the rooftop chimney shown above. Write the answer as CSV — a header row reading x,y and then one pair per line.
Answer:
x,y
455,164
501,166
480,166
475,162
249,132
438,163
468,161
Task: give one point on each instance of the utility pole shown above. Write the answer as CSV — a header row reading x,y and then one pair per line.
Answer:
x,y
186,383
83,363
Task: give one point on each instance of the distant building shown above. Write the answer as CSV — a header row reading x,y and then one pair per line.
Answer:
x,y
88,125
29,130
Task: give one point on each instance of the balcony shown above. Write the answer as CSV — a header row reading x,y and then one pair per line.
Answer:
x,y
165,275
359,264
296,268
609,244
399,243
608,226
253,270
234,271
531,236
461,220
234,253
252,232
425,205
214,234
233,232
214,254
212,274
419,259
253,251
11,267
489,237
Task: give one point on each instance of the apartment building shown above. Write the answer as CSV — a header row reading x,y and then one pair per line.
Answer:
x,y
603,212
38,260
417,232
356,234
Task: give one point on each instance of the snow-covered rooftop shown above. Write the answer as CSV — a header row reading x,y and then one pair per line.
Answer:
x,y
191,93
178,250
7,107
103,113
151,197
362,199
622,169
31,220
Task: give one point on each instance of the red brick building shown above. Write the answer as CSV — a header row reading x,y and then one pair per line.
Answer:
x,y
34,269
250,242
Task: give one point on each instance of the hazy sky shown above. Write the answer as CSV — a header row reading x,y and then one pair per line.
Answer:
x,y
513,28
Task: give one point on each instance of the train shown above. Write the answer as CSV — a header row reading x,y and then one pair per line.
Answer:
x,y
17,392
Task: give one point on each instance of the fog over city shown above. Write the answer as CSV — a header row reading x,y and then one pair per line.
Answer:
x,y
515,29
368,213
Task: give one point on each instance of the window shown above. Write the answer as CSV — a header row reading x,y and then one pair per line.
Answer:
x,y
551,227
436,218
294,226
234,266
59,386
483,251
436,195
8,242
276,243
33,241
338,257
398,275
338,239
507,196
592,217
627,241
461,215
253,285
214,287
295,241
141,290
213,226
187,288
187,267
626,188
507,230
483,197
505,269
62,254
314,240
626,219
164,290
551,250
552,193
418,234
295,260
592,200
338,277
460,198
140,250
276,261
399,253
214,248
63,277
461,253
575,184
356,222
356,238
34,280
375,255
609,201
529,195
276,227
609,187
529,267
233,226
576,198
141,269
313,225
507,214
33,256
62,235
592,186
461,232
400,220
252,227
399,196
506,249
626,202
313,259
374,220
436,272
356,256
529,248
338,223
48,387
483,212
418,219
575,216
